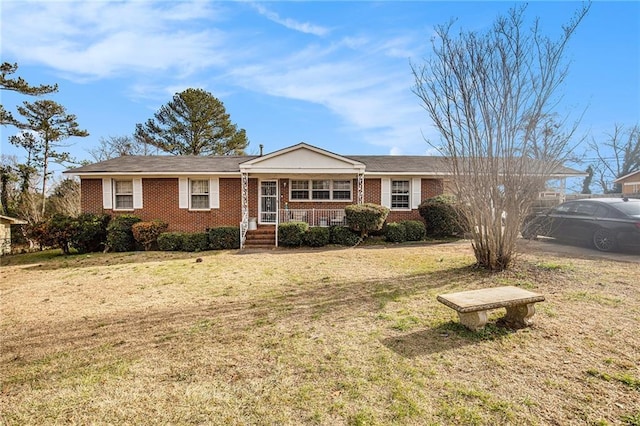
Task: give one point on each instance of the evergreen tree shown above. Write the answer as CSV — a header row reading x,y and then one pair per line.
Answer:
x,y
48,125
193,123
21,86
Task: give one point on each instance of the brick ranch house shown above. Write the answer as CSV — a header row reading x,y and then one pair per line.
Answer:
x,y
301,183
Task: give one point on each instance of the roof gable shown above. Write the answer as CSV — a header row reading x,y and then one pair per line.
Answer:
x,y
302,157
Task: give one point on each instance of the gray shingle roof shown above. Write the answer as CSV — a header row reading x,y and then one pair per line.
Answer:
x,y
166,164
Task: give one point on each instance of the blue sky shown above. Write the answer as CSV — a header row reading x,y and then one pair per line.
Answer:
x,y
333,74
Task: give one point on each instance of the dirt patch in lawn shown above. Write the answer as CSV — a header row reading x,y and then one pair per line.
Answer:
x,y
350,336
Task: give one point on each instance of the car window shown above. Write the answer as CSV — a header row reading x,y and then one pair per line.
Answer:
x,y
563,208
585,209
631,208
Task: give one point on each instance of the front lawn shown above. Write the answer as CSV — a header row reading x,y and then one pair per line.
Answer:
x,y
328,337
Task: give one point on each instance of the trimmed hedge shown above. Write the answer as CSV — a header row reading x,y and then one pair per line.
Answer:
x,y
292,234
395,232
317,237
224,238
171,241
119,233
415,229
344,236
196,241
366,217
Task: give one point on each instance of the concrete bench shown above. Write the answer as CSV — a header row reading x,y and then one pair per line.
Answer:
x,y
472,305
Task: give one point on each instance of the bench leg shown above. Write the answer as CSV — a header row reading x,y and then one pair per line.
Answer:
x,y
474,321
520,316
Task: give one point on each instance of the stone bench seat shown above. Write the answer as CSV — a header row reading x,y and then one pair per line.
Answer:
x,y
472,306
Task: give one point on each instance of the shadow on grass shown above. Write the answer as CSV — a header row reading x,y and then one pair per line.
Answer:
x,y
50,260
445,337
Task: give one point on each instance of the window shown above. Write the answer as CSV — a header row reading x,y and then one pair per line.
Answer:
x,y
321,189
400,190
299,190
123,194
199,194
342,190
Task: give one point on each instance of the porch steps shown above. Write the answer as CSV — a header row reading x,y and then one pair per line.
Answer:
x,y
262,238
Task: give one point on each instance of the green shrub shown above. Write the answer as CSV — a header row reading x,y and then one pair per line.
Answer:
x,y
91,232
416,230
442,216
170,241
146,233
291,234
317,237
365,218
119,233
344,236
60,230
224,238
196,241
395,232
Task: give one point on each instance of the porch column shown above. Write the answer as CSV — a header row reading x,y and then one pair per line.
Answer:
x,y
244,224
360,188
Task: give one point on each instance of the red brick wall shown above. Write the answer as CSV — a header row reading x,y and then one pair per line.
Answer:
x,y
91,196
160,201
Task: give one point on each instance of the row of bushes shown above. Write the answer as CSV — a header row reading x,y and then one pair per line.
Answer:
x,y
296,234
219,238
91,232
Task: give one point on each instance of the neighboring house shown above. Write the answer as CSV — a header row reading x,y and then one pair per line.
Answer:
x,y
301,182
630,183
5,232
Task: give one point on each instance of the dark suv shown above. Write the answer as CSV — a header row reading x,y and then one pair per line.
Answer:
x,y
606,223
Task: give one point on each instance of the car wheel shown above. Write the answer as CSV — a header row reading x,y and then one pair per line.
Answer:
x,y
529,232
604,240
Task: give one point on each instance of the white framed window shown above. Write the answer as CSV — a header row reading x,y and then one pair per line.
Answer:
x,y
341,190
299,190
199,194
123,194
400,194
320,190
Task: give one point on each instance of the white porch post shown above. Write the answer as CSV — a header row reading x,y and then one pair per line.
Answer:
x,y
360,188
244,224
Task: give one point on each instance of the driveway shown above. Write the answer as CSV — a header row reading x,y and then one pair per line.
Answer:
x,y
549,245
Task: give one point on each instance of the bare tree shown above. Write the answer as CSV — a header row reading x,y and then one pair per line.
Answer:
x,y
65,198
618,156
117,146
491,97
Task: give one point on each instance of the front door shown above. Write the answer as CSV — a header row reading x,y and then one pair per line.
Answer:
x,y
268,201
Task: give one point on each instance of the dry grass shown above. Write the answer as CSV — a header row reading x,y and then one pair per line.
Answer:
x,y
331,337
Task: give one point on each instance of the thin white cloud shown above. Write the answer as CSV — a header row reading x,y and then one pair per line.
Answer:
x,y
292,24
102,39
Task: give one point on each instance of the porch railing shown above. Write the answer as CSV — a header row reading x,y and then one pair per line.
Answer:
x,y
314,217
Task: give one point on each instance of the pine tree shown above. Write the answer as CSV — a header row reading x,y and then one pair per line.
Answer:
x,y
193,123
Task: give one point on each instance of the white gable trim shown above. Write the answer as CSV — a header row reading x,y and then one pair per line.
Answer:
x,y
302,158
